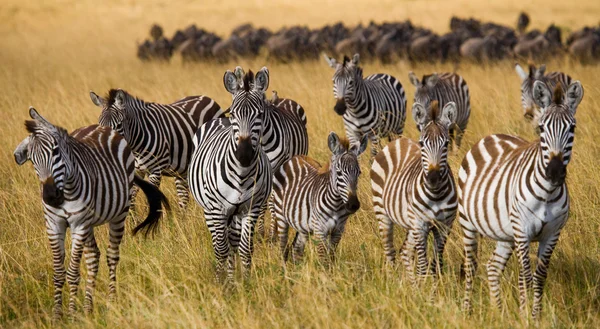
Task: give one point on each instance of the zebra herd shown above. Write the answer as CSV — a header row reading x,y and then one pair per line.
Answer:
x,y
239,162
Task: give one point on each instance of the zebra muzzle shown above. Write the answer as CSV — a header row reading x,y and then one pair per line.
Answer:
x,y
556,171
244,151
353,204
433,177
51,194
340,107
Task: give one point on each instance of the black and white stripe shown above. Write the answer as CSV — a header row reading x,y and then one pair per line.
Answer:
x,y
374,106
317,200
514,192
413,187
160,135
444,88
86,180
531,111
230,174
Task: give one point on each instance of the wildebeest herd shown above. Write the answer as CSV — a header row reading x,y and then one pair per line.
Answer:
x,y
468,39
239,162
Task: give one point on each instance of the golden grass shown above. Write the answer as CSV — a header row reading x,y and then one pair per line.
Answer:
x,y
53,54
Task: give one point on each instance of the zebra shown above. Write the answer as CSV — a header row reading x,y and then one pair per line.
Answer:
x,y
514,192
317,200
230,174
374,106
413,187
86,180
160,135
530,111
444,87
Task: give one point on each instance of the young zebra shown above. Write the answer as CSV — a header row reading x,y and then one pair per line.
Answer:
x,y
160,135
514,192
230,175
530,111
444,88
86,180
413,187
374,106
317,200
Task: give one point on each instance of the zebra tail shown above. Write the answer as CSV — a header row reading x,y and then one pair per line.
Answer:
x,y
156,201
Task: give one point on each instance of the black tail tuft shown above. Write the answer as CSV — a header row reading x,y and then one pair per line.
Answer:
x,y
156,200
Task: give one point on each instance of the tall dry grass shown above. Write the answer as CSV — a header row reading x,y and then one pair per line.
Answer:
x,y
52,54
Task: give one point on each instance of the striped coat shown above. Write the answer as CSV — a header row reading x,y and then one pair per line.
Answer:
x,y
160,135
413,187
514,192
86,180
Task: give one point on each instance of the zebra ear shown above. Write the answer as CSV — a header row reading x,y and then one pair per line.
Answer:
x,y
97,100
33,113
334,143
541,94
574,96
419,114
120,98
355,59
358,149
261,80
239,73
540,71
414,80
330,61
231,82
448,114
520,72
21,154
432,80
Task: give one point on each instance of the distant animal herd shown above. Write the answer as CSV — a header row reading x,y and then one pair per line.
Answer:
x,y
241,161
468,40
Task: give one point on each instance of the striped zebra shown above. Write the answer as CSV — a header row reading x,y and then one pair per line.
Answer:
x,y
230,175
374,106
444,88
86,180
514,192
317,200
160,135
413,187
530,111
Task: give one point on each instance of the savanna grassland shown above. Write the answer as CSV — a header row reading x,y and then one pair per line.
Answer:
x,y
53,53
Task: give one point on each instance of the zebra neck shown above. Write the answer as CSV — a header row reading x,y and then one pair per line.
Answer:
x,y
74,158
331,192
537,175
133,126
438,192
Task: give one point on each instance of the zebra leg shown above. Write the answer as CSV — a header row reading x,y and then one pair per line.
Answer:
x,y
440,237
335,237
408,255
155,177
545,250
260,223
73,272
323,247
217,226
92,261
234,232
495,268
298,246
116,229
56,236
386,232
470,237
182,187
283,230
525,276
247,241
420,238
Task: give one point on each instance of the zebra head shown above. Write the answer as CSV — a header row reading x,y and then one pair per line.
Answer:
x,y
434,140
344,168
43,148
113,108
247,109
423,92
527,81
557,127
345,78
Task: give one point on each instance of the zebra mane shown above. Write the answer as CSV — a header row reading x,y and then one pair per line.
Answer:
x,y
557,96
110,97
248,80
346,60
34,127
435,110
425,78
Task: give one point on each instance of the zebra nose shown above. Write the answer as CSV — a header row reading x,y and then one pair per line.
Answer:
x,y
353,204
556,170
433,176
340,106
244,151
51,194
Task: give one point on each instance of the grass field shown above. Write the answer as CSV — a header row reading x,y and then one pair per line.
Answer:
x,y
53,54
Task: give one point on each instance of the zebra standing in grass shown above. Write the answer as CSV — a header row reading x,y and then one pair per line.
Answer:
x,y
514,192
86,180
374,106
444,88
317,200
530,111
230,175
160,135
413,187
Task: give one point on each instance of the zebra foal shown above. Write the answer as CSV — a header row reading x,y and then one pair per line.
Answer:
x,y
230,175
86,180
317,200
514,192
160,135
413,187
373,106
